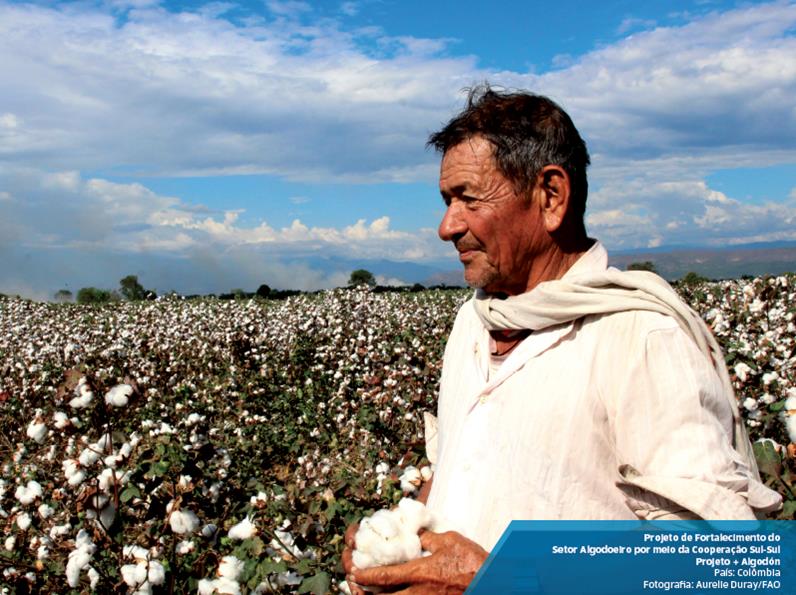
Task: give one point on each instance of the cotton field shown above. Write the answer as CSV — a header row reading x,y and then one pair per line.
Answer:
x,y
223,446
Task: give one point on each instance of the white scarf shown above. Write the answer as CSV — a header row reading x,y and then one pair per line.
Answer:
x,y
605,292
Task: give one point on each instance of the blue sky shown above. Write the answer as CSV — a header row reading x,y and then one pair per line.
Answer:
x,y
205,146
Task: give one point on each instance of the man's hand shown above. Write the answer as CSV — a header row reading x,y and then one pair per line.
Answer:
x,y
453,563
348,563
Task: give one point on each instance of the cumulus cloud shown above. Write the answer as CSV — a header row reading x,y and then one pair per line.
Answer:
x,y
89,231
194,93
129,86
641,213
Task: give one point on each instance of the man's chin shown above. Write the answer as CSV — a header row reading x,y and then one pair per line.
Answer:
x,y
477,281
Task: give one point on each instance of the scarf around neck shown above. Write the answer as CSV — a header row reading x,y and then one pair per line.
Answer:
x,y
610,291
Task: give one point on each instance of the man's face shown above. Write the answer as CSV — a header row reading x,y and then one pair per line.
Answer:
x,y
496,232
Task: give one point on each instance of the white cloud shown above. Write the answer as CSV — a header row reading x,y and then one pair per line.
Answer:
x,y
643,212
132,217
193,93
62,226
726,80
293,95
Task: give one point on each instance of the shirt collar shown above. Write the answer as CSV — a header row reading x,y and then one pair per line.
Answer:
x,y
594,260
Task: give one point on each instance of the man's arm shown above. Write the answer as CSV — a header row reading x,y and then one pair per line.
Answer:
x,y
673,436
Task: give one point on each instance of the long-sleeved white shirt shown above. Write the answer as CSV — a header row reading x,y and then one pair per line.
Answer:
x,y
614,416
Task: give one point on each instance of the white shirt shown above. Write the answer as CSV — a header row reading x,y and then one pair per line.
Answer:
x,y
545,437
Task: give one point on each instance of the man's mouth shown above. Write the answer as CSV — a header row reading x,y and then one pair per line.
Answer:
x,y
466,254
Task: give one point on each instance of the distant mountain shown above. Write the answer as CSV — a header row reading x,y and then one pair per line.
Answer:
x,y
729,262
673,262
408,272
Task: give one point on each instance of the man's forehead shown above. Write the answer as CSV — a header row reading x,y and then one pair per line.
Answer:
x,y
467,164
476,148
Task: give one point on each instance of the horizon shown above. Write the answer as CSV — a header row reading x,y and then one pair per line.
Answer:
x,y
204,147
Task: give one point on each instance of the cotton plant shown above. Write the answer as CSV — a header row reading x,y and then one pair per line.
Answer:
x,y
323,392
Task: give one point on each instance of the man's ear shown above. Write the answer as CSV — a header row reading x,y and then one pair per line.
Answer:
x,y
553,194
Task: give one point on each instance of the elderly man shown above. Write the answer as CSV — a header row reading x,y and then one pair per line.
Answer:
x,y
569,390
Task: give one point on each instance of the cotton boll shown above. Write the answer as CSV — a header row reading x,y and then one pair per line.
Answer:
x,y
119,395
243,530
156,573
185,547
410,479
790,426
125,450
414,515
82,401
28,493
183,521
209,530
221,586
77,478
230,568
89,456
106,479
226,586
136,552
426,472
45,511
390,536
57,531
742,371
362,559
384,523
37,431
79,558
74,565
23,521
93,578
134,574
9,543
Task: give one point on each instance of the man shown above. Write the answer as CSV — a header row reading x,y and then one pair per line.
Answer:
x,y
569,390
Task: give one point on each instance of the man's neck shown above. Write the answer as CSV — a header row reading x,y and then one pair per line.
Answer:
x,y
552,265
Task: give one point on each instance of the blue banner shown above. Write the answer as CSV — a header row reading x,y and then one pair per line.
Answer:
x,y
625,557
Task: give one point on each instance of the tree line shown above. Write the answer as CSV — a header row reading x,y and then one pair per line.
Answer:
x,y
130,289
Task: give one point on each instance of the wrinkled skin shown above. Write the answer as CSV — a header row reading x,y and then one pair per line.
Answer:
x,y
453,563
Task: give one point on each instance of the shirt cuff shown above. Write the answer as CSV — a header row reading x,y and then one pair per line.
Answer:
x,y
706,500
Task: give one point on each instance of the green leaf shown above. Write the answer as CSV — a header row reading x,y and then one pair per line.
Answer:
x,y
270,567
317,584
789,508
159,468
778,406
304,566
768,459
129,493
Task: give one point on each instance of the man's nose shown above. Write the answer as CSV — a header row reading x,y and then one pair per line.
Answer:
x,y
452,224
